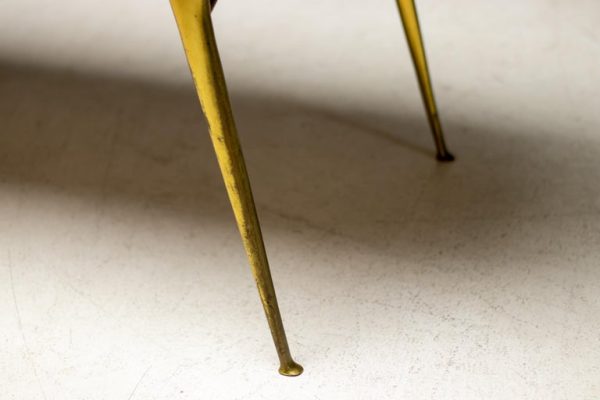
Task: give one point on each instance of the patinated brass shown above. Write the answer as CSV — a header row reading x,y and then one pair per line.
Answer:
x,y
410,20
196,30
195,27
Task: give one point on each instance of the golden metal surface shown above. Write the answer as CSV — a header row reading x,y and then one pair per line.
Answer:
x,y
410,20
196,30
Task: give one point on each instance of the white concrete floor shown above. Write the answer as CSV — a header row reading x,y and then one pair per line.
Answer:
x,y
122,275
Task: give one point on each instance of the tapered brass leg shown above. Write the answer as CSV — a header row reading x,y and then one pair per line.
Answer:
x,y
195,26
408,13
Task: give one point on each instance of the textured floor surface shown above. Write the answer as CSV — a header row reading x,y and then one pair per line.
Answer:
x,y
122,275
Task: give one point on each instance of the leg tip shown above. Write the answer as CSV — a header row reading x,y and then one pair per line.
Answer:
x,y
291,369
444,157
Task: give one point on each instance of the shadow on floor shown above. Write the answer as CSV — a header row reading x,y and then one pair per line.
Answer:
x,y
369,179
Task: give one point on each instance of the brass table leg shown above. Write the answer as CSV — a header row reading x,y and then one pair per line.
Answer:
x,y
408,13
195,26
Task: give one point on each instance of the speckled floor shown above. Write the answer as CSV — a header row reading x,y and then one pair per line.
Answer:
x,y
122,275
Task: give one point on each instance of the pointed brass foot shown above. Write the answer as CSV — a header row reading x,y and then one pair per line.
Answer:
x,y
444,157
410,21
195,27
291,369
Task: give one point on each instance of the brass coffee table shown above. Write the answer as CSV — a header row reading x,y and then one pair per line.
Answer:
x,y
195,26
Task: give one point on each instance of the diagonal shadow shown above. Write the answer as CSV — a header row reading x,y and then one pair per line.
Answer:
x,y
369,179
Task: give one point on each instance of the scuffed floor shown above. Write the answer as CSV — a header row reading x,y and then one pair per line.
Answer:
x,y
122,275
